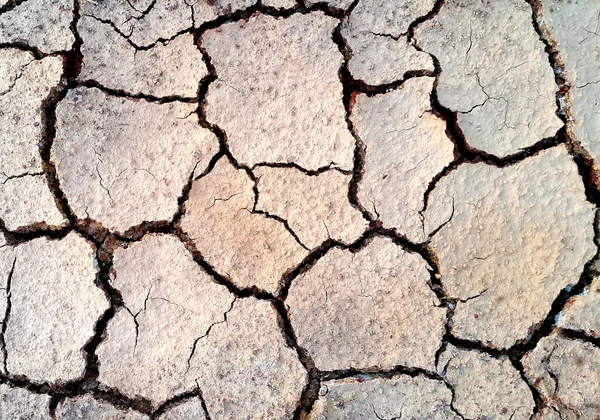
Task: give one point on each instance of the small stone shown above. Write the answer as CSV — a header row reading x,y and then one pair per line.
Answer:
x,y
381,398
25,82
485,387
43,24
370,308
245,369
108,169
188,410
248,248
20,404
406,147
88,408
172,68
316,207
514,237
582,312
567,374
495,73
278,95
169,303
54,308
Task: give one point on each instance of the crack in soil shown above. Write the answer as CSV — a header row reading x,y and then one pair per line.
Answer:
x,y
106,242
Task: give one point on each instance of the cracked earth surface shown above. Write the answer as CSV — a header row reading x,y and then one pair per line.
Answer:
x,y
281,209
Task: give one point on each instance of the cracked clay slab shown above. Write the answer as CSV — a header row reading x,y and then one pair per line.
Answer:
x,y
278,96
172,68
25,83
146,22
54,307
382,398
582,311
574,27
248,248
495,73
20,404
108,169
514,237
191,409
316,207
406,147
245,369
169,303
567,373
485,387
370,308
87,407
143,22
376,33
44,24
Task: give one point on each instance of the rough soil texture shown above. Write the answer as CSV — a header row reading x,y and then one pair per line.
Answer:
x,y
281,209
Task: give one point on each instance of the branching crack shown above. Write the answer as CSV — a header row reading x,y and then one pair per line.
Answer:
x,y
206,334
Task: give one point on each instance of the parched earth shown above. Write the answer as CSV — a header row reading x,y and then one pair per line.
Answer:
x,y
368,209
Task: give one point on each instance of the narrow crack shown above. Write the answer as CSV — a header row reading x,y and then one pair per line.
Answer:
x,y
6,317
310,392
207,333
579,335
23,175
308,172
120,93
349,92
181,399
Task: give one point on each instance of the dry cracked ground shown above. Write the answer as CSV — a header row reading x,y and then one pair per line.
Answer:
x,y
367,209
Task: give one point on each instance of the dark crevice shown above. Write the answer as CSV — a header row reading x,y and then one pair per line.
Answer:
x,y
563,94
374,230
437,6
23,46
28,233
240,292
308,172
546,326
584,160
284,222
178,400
10,5
465,153
120,93
377,372
311,389
6,316
535,393
579,335
358,86
351,88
